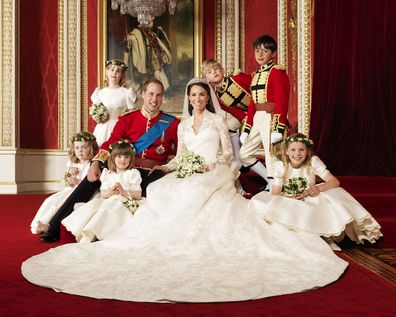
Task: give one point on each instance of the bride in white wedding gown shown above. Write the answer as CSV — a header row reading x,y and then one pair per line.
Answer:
x,y
193,239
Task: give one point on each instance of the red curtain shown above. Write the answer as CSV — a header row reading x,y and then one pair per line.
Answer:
x,y
354,86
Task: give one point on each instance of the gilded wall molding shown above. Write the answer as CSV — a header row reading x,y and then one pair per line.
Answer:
x,y
241,48
84,66
282,32
71,59
219,30
61,117
73,65
304,65
9,55
230,31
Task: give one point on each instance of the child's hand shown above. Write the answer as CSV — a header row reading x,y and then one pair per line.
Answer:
x,y
73,171
312,191
73,181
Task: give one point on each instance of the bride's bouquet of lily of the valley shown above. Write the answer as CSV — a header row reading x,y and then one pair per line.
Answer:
x,y
189,163
99,112
132,204
295,186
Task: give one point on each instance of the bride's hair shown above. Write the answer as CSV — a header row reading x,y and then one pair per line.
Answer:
x,y
205,86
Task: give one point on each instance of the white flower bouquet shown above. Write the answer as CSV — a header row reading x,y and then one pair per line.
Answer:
x,y
295,186
189,163
132,204
99,112
65,179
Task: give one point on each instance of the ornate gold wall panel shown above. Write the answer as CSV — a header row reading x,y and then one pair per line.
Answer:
x,y
84,66
304,65
230,34
9,53
61,117
72,69
282,32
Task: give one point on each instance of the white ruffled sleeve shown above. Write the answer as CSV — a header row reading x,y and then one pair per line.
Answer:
x,y
105,180
133,178
319,168
279,173
131,99
95,96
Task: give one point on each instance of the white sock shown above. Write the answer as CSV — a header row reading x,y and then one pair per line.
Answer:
x,y
260,169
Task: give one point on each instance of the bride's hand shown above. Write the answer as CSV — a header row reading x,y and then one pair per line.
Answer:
x,y
162,168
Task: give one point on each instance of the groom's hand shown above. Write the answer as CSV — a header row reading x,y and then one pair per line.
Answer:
x,y
94,172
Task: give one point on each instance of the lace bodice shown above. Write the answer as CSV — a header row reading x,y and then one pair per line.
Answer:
x,y
282,173
117,100
212,140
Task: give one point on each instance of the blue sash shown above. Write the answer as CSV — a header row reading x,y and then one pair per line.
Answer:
x,y
153,133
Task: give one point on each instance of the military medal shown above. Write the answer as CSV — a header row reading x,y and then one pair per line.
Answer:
x,y
160,149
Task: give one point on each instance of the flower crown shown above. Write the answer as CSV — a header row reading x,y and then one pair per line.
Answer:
x,y
301,139
83,137
118,63
118,143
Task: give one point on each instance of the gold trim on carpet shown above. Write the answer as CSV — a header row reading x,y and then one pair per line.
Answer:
x,y
379,261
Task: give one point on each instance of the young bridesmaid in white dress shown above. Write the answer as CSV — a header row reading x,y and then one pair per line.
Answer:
x,y
299,203
100,217
82,150
117,99
193,238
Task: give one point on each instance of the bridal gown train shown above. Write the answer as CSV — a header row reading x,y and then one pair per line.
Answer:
x,y
192,240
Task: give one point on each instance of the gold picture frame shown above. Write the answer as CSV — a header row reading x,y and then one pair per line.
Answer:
x,y
183,31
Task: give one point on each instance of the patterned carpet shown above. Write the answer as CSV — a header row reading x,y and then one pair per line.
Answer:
x,y
379,261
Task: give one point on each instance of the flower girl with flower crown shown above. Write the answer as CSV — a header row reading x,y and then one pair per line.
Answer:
x,y
120,195
82,150
112,101
297,202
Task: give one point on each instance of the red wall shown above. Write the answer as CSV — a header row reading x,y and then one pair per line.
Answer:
x,y
38,74
260,19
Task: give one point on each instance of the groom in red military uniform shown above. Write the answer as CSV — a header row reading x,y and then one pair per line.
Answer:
x,y
153,134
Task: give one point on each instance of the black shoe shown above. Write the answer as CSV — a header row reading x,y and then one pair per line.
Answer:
x,y
244,169
47,237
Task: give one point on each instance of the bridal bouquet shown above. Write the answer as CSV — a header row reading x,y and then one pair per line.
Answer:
x,y
189,163
295,186
99,112
132,204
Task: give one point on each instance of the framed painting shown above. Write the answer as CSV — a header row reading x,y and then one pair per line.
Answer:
x,y
170,49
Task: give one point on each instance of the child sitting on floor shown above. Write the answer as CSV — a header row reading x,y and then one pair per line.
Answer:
x,y
120,193
82,150
297,202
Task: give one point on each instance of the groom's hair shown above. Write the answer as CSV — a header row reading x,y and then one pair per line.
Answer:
x,y
152,81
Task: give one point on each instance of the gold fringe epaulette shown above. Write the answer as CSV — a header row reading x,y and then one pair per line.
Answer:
x,y
102,156
280,67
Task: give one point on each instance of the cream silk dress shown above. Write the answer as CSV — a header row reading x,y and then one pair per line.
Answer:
x,y
192,240
117,101
100,217
52,204
333,213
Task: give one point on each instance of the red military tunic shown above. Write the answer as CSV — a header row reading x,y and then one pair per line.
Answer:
x,y
234,95
132,126
270,84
